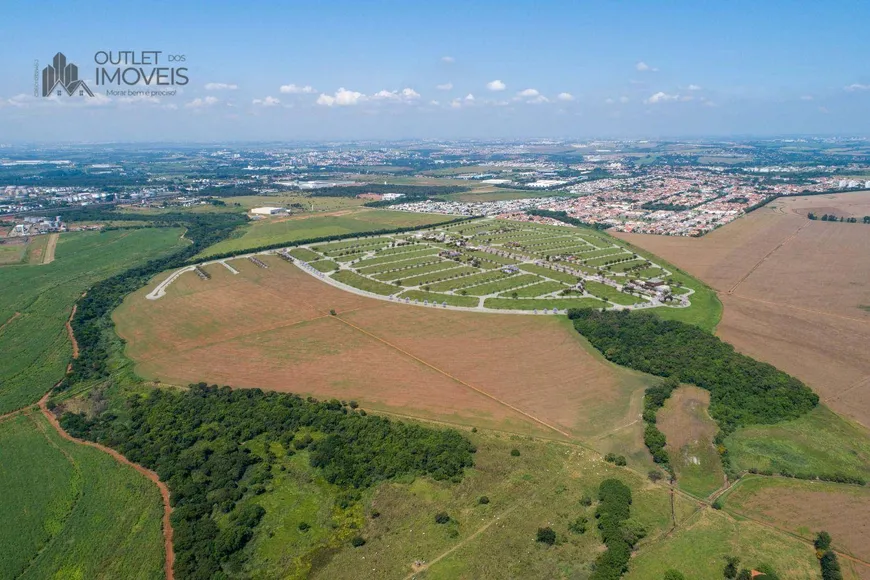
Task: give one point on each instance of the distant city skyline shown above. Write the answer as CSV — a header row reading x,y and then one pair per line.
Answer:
x,y
269,71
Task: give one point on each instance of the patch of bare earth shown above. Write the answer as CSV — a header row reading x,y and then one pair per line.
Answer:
x,y
271,328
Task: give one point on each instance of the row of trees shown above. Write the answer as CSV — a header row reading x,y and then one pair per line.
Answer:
x,y
827,557
654,399
743,390
617,531
563,217
197,442
832,218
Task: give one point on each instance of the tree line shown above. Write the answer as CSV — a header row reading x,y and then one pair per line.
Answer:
x,y
743,391
198,443
654,399
832,218
613,514
563,217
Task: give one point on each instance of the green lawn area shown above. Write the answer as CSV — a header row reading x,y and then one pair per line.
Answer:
x,y
425,267
441,275
466,281
611,294
396,265
383,258
324,265
538,289
71,511
305,254
34,344
542,303
550,273
504,284
270,231
363,283
451,299
821,443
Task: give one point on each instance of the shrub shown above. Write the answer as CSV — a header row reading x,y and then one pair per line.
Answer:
x,y
483,500
515,452
586,500
578,526
442,518
375,514
822,541
655,475
546,536
304,527
674,575
357,541
332,312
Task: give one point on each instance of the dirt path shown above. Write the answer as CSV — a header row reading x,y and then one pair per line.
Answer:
x,y
48,256
456,379
8,322
766,256
476,533
164,490
69,331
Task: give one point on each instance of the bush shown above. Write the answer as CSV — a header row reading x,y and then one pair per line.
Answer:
x,y
515,452
375,514
615,459
546,536
578,526
442,518
674,575
357,541
613,513
822,541
304,527
483,500
655,475
332,312
586,501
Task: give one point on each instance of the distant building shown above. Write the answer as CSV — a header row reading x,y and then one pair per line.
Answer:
x,y
268,210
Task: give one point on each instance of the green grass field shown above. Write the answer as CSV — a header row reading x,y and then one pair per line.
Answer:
x,y
451,299
538,289
504,284
324,265
820,442
265,232
698,550
70,511
12,253
304,254
363,283
611,294
34,344
550,273
543,303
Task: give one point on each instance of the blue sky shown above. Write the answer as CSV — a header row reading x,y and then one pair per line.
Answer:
x,y
386,70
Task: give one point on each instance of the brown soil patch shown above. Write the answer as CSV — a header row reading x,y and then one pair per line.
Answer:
x,y
8,322
683,419
271,328
792,289
69,331
48,258
164,490
845,515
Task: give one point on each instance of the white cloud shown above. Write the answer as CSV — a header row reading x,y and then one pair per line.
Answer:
x,y
341,98
199,103
434,103
528,93
496,85
405,95
623,99
538,100
469,98
693,88
267,102
292,89
858,87
448,59
220,87
444,87
644,67
661,97
609,101
565,97
807,98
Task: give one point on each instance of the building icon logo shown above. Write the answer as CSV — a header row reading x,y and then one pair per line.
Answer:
x,y
61,76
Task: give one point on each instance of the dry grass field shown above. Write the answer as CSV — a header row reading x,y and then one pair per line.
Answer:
x,y
271,328
794,290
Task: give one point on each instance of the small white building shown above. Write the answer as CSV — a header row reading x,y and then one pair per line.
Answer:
x,y
268,210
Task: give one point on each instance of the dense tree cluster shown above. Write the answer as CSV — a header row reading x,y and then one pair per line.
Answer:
x,y
563,217
197,442
832,218
743,391
613,514
653,400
